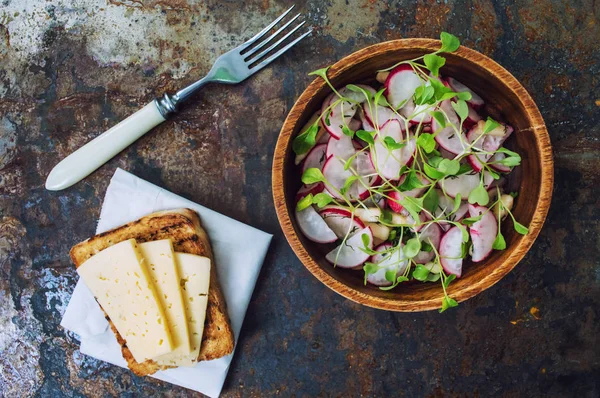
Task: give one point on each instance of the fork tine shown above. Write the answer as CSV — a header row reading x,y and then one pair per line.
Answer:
x,y
274,45
274,35
265,30
272,58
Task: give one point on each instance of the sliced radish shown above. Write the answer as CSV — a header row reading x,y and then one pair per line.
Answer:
x,y
464,183
366,124
419,113
349,254
395,197
483,232
431,234
498,156
380,113
401,85
446,154
388,163
313,227
394,261
336,176
341,148
342,113
489,143
476,101
472,118
451,251
447,137
319,136
316,158
495,138
341,221
315,188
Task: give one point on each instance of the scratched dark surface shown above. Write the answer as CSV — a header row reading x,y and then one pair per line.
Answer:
x,y
71,69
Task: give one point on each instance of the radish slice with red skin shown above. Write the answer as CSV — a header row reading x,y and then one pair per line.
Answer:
x,y
342,148
421,112
342,113
395,197
483,232
445,206
472,118
316,158
336,176
451,251
464,184
349,254
313,227
447,137
498,156
476,101
401,84
314,189
490,143
389,262
341,221
383,115
388,163
432,235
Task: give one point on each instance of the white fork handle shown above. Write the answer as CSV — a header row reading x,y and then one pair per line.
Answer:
x,y
101,149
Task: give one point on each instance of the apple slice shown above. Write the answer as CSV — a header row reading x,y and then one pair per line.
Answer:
x,y
451,251
483,232
349,254
341,222
314,227
394,261
431,234
401,85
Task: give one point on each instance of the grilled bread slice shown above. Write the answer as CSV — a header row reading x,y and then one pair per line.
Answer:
x,y
183,227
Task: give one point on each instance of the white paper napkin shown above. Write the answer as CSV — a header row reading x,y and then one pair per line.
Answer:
x,y
239,252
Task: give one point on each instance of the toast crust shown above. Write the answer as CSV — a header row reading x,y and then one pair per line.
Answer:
x,y
183,227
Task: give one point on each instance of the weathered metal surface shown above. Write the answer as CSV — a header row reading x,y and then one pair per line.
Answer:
x,y
70,69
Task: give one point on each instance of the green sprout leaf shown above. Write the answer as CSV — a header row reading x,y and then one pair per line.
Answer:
x,y
471,220
358,89
520,228
322,199
305,141
426,247
464,95
490,125
347,131
431,200
464,168
304,202
390,275
413,206
386,217
433,277
499,242
366,136
427,142
448,302
461,108
370,268
463,231
320,72
432,172
349,181
379,99
479,195
424,95
434,62
391,144
411,181
365,240
449,167
450,43
312,175
449,279
412,247
420,273
439,118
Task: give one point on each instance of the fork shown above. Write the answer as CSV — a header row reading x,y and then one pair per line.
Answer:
x,y
230,68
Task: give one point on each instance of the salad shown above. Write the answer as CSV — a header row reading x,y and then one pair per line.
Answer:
x,y
405,181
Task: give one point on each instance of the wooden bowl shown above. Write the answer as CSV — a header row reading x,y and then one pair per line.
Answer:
x,y
506,100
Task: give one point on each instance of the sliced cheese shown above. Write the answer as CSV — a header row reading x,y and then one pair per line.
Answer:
x,y
194,272
122,285
160,260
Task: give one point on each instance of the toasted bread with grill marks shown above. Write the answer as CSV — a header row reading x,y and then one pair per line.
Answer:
x,y
183,227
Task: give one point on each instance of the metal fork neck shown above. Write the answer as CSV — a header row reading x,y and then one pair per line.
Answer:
x,y
169,104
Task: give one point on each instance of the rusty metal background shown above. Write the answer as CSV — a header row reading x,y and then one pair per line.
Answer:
x,y
70,69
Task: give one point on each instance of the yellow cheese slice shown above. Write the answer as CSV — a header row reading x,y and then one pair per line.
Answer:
x,y
194,272
160,260
122,285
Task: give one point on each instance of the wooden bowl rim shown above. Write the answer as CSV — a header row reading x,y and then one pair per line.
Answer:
x,y
516,252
